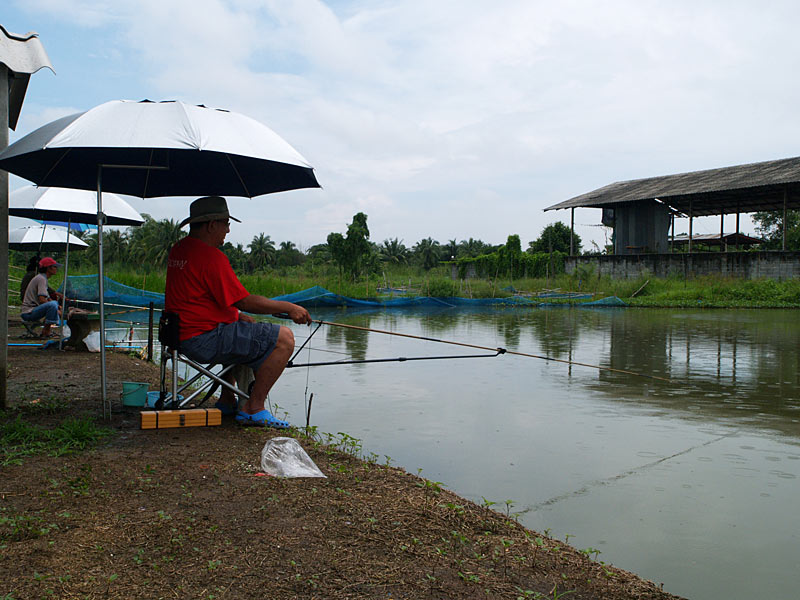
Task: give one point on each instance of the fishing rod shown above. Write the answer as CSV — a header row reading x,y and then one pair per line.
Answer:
x,y
362,361
497,351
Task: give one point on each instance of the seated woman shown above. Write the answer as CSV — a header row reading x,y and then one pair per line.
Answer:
x,y
37,303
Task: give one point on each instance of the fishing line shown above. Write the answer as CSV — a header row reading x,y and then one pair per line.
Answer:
x,y
465,345
635,471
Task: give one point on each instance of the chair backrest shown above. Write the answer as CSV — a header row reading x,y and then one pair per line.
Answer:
x,y
169,330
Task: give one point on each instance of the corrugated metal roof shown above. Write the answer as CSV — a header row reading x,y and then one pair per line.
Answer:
x,y
714,239
743,188
23,55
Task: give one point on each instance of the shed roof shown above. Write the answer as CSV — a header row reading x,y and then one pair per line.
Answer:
x,y
713,239
743,188
23,55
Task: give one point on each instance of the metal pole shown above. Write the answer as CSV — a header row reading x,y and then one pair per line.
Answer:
x,y
3,237
571,230
672,240
150,335
106,412
64,295
785,200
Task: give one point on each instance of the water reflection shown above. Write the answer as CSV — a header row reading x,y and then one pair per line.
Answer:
x,y
666,478
352,342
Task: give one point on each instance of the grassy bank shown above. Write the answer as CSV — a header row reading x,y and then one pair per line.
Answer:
x,y
674,292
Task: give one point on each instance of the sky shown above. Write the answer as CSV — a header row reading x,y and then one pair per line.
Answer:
x,y
446,119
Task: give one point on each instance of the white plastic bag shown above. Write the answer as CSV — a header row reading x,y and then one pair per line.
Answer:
x,y
92,341
285,457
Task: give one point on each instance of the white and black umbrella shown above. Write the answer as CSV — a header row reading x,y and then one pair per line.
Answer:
x,y
69,206
45,238
152,149
185,150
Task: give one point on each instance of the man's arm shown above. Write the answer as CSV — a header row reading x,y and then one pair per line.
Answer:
x,y
262,305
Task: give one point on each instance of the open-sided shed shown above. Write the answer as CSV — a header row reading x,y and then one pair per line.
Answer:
x,y
638,208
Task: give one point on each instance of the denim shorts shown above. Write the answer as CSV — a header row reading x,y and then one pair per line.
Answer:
x,y
48,311
237,343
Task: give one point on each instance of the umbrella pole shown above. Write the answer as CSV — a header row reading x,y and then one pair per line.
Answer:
x,y
64,295
106,410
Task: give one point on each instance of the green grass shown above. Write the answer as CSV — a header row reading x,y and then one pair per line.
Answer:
x,y
20,439
676,292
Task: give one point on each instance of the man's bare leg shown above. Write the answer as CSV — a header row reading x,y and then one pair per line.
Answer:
x,y
270,370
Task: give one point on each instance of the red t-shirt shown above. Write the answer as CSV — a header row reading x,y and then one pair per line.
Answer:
x,y
201,287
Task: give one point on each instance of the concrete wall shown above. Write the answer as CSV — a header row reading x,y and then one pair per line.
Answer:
x,y
747,265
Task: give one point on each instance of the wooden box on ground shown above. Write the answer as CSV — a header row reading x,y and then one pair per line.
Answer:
x,y
191,417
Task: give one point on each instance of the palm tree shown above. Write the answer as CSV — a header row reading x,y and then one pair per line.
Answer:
x,y
451,249
427,253
394,252
289,255
151,242
115,245
262,252
473,248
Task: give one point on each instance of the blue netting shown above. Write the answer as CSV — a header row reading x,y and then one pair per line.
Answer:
x,y
84,287
319,296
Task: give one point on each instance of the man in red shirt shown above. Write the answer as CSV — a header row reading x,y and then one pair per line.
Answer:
x,y
211,304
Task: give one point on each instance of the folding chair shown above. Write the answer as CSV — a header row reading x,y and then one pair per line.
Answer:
x,y
31,326
169,336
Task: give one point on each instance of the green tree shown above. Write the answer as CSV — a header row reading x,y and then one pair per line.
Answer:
x,y
450,250
288,255
555,237
237,256
115,245
426,253
353,252
319,253
150,243
262,252
769,225
394,252
471,248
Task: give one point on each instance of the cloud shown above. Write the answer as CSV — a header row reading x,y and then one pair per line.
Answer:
x,y
404,107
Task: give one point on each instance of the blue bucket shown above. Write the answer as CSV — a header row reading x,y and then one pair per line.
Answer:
x,y
134,393
152,398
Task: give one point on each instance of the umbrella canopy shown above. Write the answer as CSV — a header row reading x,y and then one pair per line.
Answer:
x,y
69,225
191,151
151,149
51,239
64,205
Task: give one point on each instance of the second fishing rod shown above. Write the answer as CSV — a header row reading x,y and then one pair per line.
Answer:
x,y
494,352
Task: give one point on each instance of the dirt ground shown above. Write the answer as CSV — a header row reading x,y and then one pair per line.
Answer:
x,y
185,513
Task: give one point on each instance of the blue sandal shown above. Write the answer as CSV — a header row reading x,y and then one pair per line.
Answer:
x,y
226,409
262,418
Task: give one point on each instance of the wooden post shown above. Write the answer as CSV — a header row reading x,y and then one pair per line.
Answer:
x,y
690,226
150,335
4,81
722,232
737,226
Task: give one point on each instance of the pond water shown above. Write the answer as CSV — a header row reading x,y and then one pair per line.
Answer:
x,y
692,483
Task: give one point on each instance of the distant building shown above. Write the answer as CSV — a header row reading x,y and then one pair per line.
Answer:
x,y
642,211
